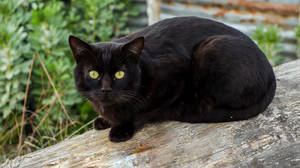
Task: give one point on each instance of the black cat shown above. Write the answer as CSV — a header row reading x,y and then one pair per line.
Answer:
x,y
187,69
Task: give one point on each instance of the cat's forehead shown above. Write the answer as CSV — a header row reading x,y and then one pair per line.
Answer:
x,y
105,55
106,50
106,46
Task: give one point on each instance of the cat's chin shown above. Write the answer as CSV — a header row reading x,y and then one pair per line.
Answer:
x,y
108,103
105,101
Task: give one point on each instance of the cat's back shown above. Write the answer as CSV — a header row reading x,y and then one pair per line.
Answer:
x,y
179,34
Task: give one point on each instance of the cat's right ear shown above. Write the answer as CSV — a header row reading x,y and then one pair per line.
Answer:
x,y
134,47
77,46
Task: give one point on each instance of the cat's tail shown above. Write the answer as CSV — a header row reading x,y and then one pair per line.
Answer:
x,y
231,114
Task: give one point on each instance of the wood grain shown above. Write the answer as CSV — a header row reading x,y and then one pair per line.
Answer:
x,y
153,11
271,139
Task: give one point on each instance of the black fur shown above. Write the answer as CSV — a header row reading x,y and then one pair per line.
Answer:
x,y
186,69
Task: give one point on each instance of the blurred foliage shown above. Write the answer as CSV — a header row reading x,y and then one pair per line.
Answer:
x,y
268,39
102,19
40,29
297,34
14,55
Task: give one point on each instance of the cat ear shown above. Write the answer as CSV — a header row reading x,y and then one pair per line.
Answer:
x,y
77,46
135,46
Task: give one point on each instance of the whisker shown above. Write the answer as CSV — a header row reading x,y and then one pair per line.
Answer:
x,y
136,101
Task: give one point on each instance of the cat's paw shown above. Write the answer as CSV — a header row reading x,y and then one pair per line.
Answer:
x,y
122,132
100,124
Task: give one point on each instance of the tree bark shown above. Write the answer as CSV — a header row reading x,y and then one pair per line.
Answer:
x,y
153,11
272,139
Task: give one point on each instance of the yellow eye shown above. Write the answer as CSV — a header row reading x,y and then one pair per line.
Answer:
x,y
119,74
94,74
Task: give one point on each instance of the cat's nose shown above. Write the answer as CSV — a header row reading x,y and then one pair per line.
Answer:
x,y
106,89
106,84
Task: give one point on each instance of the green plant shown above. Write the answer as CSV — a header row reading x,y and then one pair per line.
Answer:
x,y
14,63
268,40
49,41
297,34
113,14
40,29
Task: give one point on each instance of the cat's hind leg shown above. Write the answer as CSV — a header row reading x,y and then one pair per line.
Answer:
x,y
231,80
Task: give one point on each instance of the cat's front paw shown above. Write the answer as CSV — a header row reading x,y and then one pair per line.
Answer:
x,y
121,132
100,124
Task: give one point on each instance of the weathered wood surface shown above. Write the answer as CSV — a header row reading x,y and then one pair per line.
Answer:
x,y
270,140
153,11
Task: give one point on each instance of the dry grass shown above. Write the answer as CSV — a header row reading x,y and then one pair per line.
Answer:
x,y
65,128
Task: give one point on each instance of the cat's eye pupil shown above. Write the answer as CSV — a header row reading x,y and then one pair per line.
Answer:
x,y
119,74
94,74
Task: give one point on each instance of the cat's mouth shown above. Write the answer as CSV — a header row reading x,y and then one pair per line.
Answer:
x,y
106,99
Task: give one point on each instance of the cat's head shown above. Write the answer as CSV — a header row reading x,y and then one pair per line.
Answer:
x,y
107,73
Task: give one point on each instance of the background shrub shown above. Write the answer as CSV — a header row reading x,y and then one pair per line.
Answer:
x,y
268,39
297,34
37,31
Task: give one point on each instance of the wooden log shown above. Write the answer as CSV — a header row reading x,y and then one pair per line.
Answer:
x,y
272,139
153,11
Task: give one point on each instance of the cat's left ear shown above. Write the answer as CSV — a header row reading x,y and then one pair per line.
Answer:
x,y
134,47
77,46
